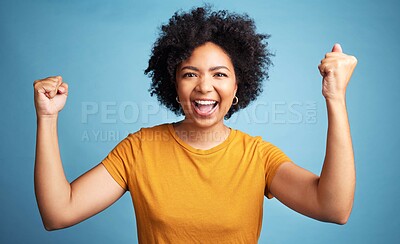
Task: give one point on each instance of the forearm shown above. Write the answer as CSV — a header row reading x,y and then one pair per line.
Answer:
x,y
337,181
51,186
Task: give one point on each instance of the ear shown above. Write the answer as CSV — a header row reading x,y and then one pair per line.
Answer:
x,y
236,87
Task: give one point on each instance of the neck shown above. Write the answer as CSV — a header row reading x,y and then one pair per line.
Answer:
x,y
201,137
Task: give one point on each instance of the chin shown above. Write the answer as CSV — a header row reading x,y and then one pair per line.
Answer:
x,y
206,122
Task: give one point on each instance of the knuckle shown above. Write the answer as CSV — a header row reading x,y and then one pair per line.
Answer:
x,y
37,84
337,62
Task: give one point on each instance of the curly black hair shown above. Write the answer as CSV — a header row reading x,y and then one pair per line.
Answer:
x,y
234,33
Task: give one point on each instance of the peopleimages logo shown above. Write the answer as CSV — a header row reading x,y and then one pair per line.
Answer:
x,y
145,113
124,112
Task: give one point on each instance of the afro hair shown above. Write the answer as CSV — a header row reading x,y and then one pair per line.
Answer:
x,y
234,33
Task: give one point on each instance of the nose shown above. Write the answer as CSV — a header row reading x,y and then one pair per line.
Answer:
x,y
205,85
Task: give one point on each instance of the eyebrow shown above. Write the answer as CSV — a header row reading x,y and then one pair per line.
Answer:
x,y
211,69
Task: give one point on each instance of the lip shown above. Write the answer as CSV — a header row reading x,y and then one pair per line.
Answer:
x,y
201,113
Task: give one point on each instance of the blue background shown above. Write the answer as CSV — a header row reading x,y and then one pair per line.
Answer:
x,y
101,49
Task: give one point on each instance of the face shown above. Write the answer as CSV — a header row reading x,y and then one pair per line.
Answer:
x,y
206,85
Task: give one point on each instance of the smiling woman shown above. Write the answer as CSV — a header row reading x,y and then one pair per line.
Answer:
x,y
237,39
206,85
197,180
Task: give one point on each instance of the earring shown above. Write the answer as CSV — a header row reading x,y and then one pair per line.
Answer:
x,y
177,99
235,100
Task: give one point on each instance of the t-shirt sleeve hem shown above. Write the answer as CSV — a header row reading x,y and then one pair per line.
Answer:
x,y
114,174
273,171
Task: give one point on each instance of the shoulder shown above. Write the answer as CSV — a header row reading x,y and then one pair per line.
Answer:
x,y
153,133
160,127
150,130
136,140
247,138
257,142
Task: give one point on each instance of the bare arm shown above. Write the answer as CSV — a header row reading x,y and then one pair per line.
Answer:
x,y
328,197
60,203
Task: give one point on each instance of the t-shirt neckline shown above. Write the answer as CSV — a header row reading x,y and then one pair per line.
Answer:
x,y
201,151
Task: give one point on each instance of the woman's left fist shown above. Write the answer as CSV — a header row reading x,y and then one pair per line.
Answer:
x,y
336,70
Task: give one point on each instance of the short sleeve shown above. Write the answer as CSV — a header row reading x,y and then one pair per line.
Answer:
x,y
272,157
119,162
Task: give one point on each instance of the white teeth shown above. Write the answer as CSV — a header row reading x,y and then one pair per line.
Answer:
x,y
202,102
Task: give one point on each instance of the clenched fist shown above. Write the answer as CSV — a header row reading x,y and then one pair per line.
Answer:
x,y
50,96
336,69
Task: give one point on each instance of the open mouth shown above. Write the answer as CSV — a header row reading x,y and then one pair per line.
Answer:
x,y
205,107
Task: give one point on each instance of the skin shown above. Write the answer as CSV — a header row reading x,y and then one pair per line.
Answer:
x,y
207,75
63,204
328,197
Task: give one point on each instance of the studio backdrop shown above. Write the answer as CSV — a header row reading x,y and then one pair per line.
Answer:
x,y
101,49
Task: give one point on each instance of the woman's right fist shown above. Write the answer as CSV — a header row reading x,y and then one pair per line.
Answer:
x,y
50,96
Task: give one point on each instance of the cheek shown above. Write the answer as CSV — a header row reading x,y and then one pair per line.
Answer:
x,y
180,89
184,97
228,90
183,92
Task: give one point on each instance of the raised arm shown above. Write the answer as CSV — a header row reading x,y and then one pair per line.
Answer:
x,y
60,203
328,197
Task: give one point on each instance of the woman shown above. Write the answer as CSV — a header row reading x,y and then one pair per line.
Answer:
x,y
198,180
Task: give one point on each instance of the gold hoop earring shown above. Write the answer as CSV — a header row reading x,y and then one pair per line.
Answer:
x,y
177,99
235,100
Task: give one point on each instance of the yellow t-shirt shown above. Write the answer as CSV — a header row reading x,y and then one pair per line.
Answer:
x,y
187,195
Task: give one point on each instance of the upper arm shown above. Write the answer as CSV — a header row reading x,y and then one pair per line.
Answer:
x,y
91,193
297,188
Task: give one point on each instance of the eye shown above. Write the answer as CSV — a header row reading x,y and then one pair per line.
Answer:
x,y
189,75
221,75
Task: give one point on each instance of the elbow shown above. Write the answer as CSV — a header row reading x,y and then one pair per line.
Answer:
x,y
337,212
50,228
57,220
342,220
344,214
54,224
340,217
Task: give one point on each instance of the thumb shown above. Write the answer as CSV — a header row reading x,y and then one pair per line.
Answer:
x,y
63,89
337,48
